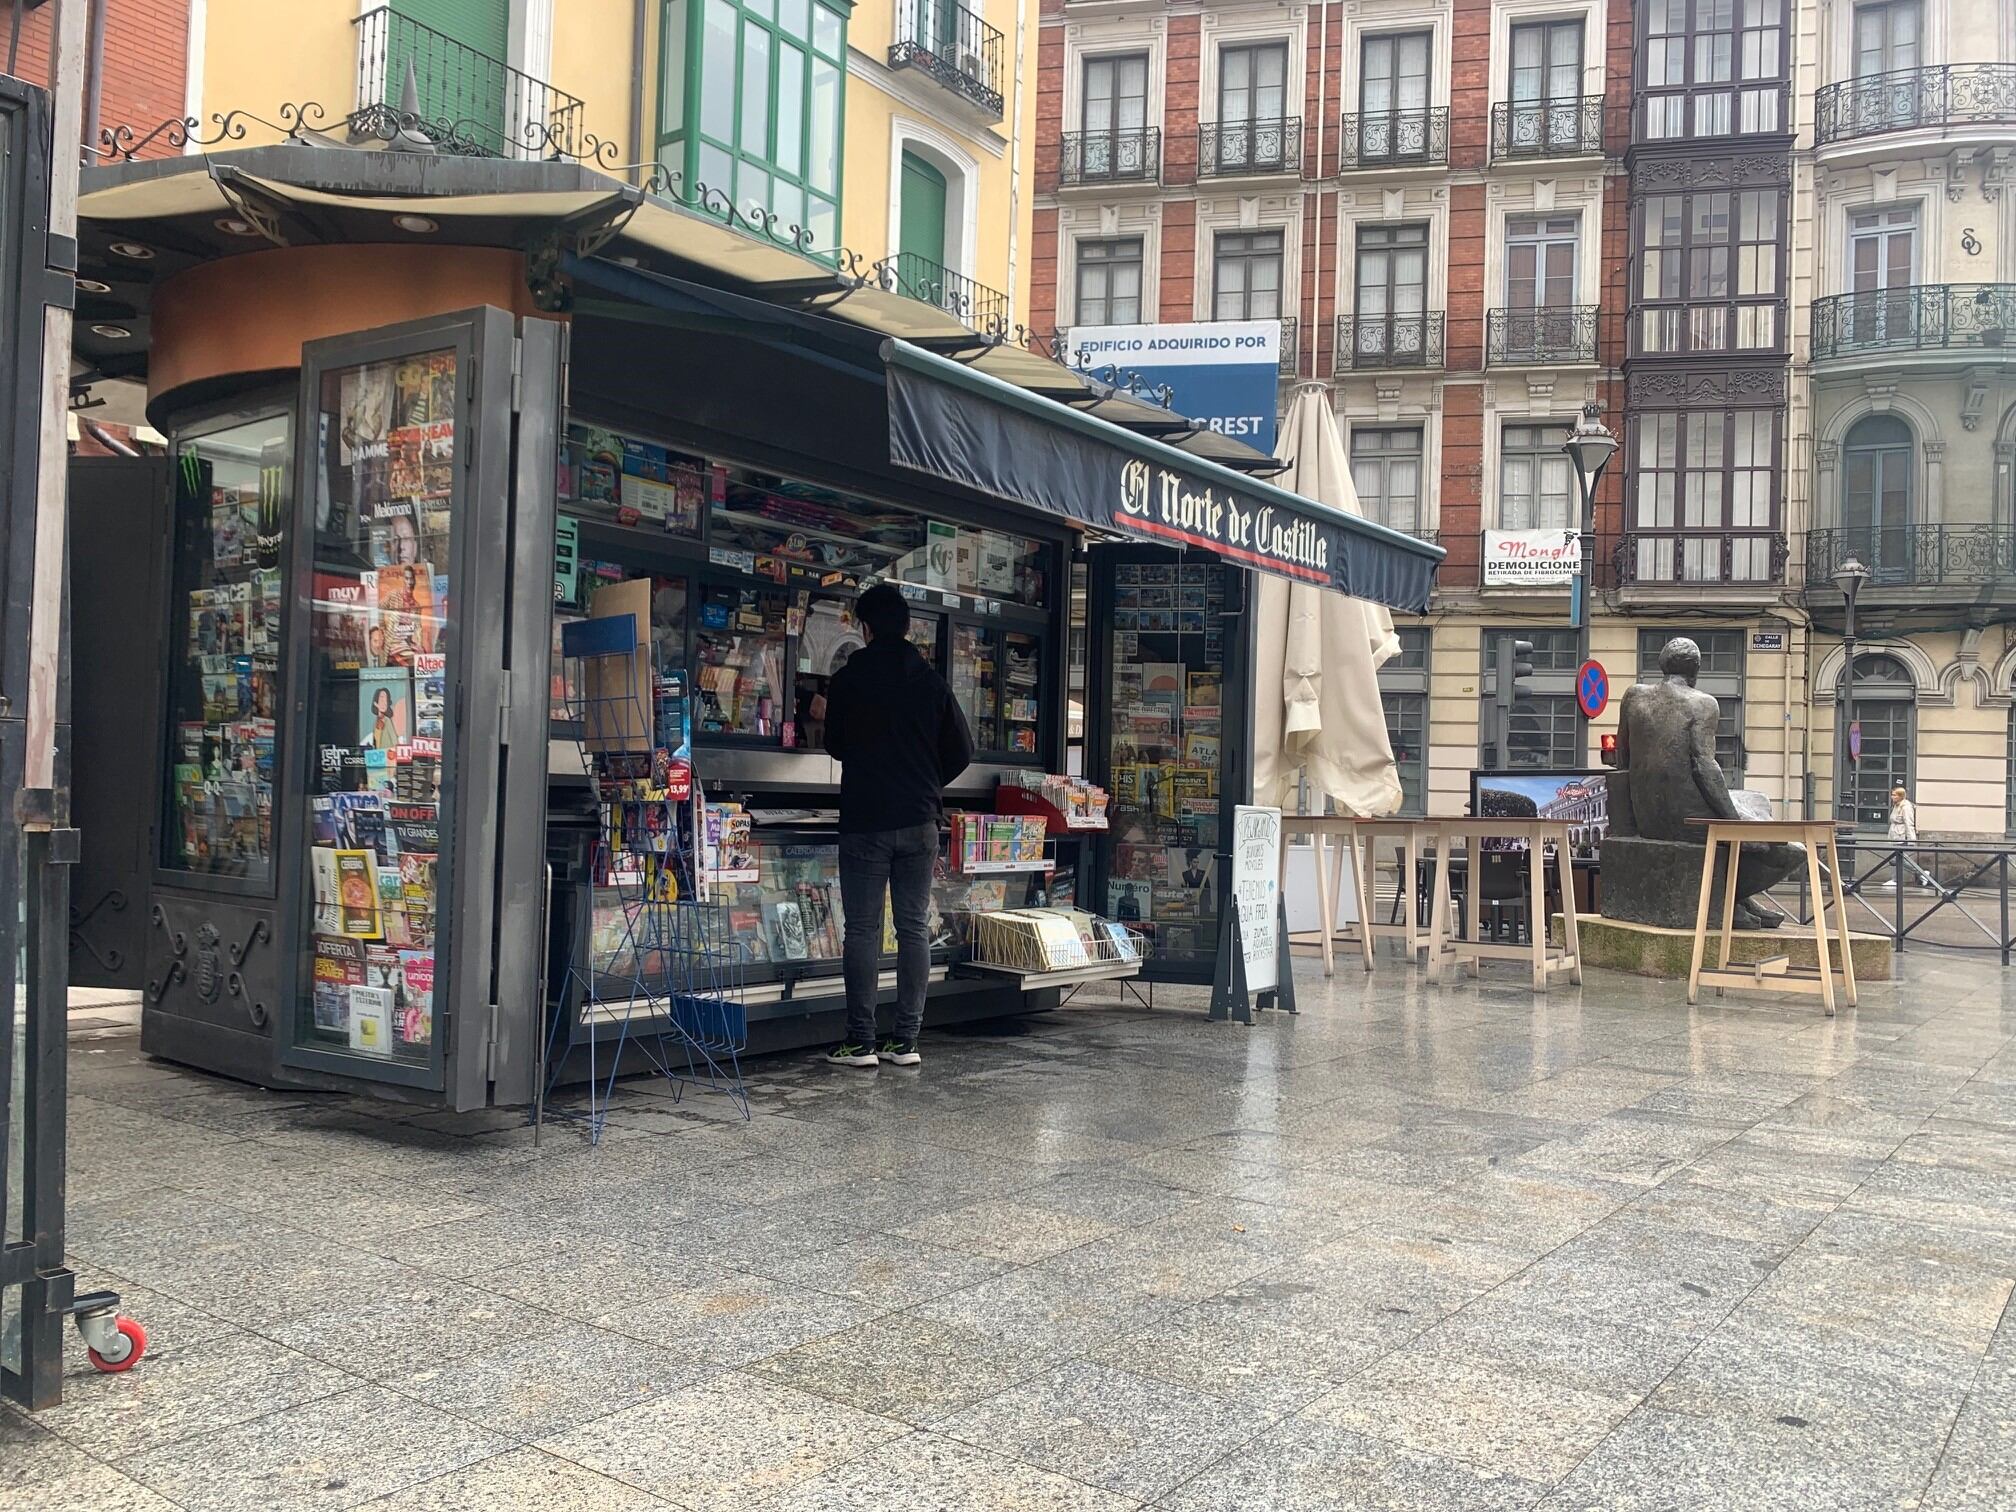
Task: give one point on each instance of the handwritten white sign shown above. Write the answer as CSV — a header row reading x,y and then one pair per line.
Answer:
x,y
1256,887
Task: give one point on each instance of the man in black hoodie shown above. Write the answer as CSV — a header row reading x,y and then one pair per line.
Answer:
x,y
900,738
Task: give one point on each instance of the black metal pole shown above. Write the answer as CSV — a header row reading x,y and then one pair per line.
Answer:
x,y
1844,774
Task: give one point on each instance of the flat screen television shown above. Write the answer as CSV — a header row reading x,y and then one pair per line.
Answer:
x,y
1579,795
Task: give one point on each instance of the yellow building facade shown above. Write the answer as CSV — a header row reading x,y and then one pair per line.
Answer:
x,y
900,131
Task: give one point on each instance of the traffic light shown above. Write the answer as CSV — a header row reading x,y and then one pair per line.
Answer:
x,y
1608,748
1515,663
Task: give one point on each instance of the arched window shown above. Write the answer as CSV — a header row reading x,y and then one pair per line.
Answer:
x,y
1885,705
1876,501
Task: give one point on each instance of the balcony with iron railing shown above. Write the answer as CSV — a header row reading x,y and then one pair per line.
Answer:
x,y
1249,149
1529,129
1711,558
468,103
1941,97
1905,557
1562,336
965,299
1395,139
1132,156
953,45
1934,318
1376,342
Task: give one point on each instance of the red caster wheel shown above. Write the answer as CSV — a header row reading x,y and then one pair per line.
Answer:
x,y
126,1342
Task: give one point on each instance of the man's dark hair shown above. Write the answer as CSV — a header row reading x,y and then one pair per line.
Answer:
x,y
885,611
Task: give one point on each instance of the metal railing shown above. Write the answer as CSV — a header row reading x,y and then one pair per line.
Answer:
x,y
953,45
1909,893
1914,556
1395,139
1389,341
1230,149
1291,346
1111,157
470,103
965,298
1917,317
1908,99
1682,558
1563,333
1546,128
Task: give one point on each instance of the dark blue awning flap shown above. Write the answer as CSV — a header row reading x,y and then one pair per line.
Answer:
x,y
973,430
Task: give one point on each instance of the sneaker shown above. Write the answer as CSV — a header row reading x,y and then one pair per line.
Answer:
x,y
852,1055
901,1052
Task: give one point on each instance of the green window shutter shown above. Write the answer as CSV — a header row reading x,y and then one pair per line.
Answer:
x,y
921,225
462,80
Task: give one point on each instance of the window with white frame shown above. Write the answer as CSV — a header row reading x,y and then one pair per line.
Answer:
x,y
1246,275
1386,472
1109,282
1536,485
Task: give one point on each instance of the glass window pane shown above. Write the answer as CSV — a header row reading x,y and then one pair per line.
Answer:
x,y
755,137
379,841
229,534
826,98
829,32
718,73
790,153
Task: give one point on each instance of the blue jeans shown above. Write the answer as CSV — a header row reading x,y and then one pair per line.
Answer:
x,y
901,861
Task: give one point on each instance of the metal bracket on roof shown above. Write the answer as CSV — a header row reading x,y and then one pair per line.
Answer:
x,y
259,211
581,235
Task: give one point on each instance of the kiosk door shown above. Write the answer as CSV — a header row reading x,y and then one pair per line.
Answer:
x,y
419,489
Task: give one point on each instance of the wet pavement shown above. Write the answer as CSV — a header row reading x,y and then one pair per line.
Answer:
x,y
1415,1249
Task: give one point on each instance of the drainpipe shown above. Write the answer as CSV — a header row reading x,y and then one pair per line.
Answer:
x,y
1322,116
637,20
94,82
1015,156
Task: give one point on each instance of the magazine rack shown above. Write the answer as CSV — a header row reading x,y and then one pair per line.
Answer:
x,y
656,971
1053,947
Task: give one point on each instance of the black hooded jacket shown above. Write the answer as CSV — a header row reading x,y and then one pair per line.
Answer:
x,y
899,736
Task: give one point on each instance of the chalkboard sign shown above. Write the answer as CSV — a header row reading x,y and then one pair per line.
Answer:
x,y
1256,889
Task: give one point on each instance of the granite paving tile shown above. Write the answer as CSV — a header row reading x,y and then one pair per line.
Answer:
x,y
1010,1230
1041,1309
340,1451
1110,1428
180,1391
889,1270
725,1444
906,1366
732,1317
1522,1336
522,1480
1222,1349
1456,1407
31,1454
98,1487
413,1327
1302,1466
925,1472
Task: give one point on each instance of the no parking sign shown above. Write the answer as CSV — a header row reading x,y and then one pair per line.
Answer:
x,y
1592,689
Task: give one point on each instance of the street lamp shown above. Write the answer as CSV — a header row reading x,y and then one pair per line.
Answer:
x,y
1849,578
1590,446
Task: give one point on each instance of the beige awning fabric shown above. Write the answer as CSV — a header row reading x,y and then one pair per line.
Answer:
x,y
1317,655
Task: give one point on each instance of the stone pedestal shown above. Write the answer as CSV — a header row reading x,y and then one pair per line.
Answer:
x,y
1648,950
1659,881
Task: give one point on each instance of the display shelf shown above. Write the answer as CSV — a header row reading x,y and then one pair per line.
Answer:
x,y
1036,981
812,532
1009,799
992,868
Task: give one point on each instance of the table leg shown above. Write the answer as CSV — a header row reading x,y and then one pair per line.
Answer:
x,y
1841,917
1326,902
1473,896
1361,878
1410,884
1536,908
1438,908
1571,937
1701,918
1729,902
1820,928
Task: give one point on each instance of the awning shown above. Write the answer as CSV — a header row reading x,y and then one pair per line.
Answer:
x,y
968,428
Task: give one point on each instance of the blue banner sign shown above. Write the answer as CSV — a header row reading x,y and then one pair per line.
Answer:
x,y
1225,374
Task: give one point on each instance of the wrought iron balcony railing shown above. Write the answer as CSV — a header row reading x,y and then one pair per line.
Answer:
x,y
1914,556
957,295
1242,149
470,104
1389,341
953,45
1918,317
1112,157
1291,330
1907,99
1520,337
1546,128
1395,139
1680,558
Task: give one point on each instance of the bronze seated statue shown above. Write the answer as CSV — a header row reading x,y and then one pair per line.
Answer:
x,y
1667,775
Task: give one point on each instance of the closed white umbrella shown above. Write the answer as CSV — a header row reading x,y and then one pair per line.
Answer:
x,y
1317,654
